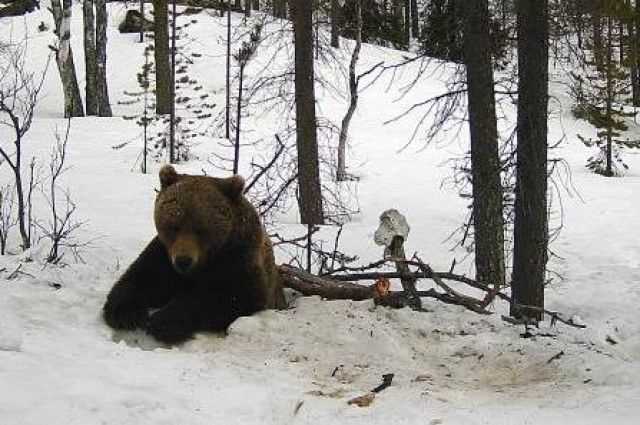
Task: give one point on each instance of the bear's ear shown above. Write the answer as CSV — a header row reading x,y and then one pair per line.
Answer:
x,y
232,186
168,176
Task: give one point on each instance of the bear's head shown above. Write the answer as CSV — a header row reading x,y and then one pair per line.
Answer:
x,y
194,216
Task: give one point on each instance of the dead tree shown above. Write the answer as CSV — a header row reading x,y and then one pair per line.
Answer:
x,y
340,282
19,91
344,287
64,58
341,172
244,55
392,233
354,87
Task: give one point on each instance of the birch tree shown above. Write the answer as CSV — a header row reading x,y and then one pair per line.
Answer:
x,y
64,58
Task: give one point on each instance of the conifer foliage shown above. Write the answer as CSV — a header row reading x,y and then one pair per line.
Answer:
x,y
602,89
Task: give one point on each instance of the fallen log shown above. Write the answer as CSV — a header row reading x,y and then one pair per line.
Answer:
x,y
309,285
342,287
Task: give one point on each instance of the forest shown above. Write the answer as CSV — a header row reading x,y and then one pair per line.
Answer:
x,y
449,187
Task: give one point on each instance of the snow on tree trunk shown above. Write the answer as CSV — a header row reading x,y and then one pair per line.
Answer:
x,y
104,106
64,59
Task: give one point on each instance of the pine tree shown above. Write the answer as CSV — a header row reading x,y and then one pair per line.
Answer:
x,y
600,93
442,32
485,162
310,194
161,51
530,227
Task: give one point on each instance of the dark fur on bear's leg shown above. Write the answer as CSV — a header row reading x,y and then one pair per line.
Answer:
x,y
209,305
150,282
176,322
121,311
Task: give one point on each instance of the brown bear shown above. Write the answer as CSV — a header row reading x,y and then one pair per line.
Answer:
x,y
210,263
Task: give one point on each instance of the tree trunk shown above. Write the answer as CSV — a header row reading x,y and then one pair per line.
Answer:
x,y
64,59
610,95
397,8
104,106
161,54
335,25
90,61
247,8
597,34
415,19
310,195
280,8
406,23
531,230
227,113
255,4
621,43
485,162
172,86
634,34
142,19
341,172
236,150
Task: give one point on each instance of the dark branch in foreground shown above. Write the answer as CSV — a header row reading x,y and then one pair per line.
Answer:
x,y
342,287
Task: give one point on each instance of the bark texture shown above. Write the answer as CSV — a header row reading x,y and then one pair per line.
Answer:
x,y
102,18
310,196
530,233
64,59
488,220
161,56
90,60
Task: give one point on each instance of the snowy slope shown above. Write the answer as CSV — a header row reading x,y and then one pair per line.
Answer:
x,y
59,363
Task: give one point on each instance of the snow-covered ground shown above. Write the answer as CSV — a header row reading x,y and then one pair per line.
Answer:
x,y
60,364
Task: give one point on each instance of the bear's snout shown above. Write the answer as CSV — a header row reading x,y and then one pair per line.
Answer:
x,y
183,264
185,254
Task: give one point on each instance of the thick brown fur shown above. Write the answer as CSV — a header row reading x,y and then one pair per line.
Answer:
x,y
210,263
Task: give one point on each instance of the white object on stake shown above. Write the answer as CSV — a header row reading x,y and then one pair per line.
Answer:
x,y
392,224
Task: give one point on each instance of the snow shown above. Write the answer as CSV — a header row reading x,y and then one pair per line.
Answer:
x,y
60,364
